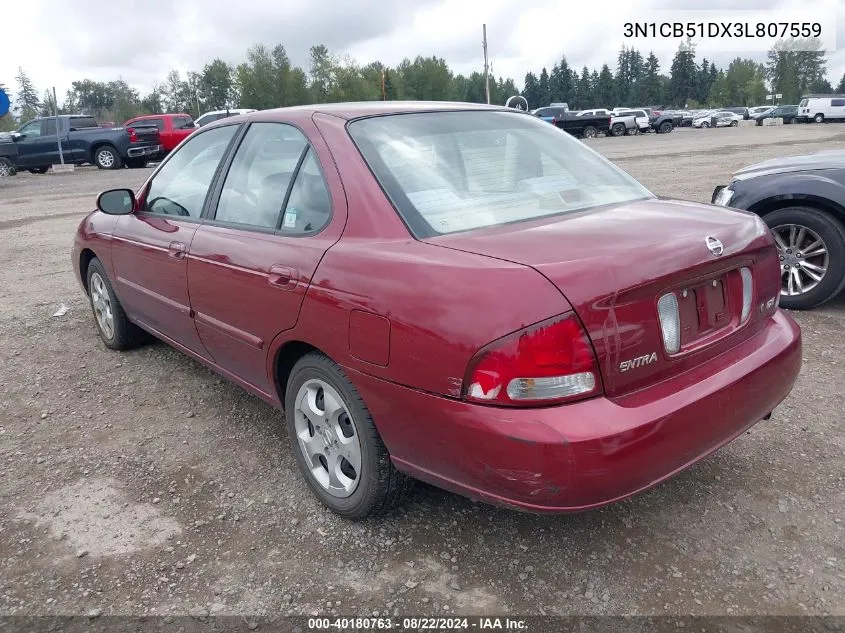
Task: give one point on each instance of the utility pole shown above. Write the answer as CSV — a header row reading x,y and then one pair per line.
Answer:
x,y
58,134
486,67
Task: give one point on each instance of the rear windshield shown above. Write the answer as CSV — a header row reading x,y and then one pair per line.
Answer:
x,y
455,171
82,122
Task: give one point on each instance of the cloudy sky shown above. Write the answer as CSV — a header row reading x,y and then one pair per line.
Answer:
x,y
57,41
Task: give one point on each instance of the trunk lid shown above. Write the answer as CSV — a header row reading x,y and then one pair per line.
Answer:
x,y
614,263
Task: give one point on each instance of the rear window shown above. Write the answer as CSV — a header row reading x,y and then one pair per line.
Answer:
x,y
158,123
82,122
455,171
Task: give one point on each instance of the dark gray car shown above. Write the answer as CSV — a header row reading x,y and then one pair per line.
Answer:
x,y
802,200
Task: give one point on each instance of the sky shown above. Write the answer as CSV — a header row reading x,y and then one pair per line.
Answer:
x,y
140,41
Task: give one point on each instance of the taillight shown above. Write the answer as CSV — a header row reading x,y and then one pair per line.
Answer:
x,y
133,138
546,363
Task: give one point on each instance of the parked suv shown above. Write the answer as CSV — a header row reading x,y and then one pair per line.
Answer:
x,y
786,112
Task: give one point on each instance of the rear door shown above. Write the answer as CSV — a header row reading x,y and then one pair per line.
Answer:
x,y
269,223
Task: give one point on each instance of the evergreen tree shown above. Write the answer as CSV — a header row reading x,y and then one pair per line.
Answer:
x,y
683,75
26,101
543,89
606,89
531,91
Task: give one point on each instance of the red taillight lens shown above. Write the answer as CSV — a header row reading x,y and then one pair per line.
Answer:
x,y
133,138
546,363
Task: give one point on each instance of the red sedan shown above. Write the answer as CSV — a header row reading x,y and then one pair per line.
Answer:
x,y
454,293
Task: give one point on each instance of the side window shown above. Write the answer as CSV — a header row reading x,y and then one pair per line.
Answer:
x,y
181,186
32,129
48,127
838,103
309,207
260,175
182,123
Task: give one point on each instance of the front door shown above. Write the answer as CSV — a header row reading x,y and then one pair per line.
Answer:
x,y
38,146
149,252
250,263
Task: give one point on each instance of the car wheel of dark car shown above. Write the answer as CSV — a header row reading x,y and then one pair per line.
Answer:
x,y
136,163
38,170
115,328
665,127
618,129
106,157
811,248
335,442
7,168
819,118
590,132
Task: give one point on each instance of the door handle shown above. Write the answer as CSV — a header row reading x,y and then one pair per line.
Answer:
x,y
176,250
282,277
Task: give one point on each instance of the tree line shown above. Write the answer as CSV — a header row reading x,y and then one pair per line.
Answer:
x,y
268,79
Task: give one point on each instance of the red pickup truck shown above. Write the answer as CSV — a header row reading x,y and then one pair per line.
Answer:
x,y
171,127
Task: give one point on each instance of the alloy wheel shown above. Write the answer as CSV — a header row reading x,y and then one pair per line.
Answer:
x,y
804,258
328,438
101,302
105,158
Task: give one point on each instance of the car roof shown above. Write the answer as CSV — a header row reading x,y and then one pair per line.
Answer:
x,y
354,110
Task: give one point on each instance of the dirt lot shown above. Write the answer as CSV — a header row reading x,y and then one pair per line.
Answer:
x,y
142,483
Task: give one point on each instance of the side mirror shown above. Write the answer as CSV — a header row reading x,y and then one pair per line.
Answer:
x,y
116,202
16,136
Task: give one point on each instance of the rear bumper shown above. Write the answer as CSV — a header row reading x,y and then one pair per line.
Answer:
x,y
146,150
579,456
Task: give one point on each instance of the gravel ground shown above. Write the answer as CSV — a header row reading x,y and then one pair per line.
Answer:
x,y
142,483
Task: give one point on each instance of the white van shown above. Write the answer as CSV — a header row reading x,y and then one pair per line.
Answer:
x,y
821,109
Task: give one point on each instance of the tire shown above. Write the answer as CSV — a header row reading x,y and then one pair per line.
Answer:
x,y
590,132
734,123
136,163
107,157
377,487
38,170
666,127
832,235
618,129
634,131
123,334
819,118
7,168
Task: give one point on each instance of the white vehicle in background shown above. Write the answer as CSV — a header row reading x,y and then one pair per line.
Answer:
x,y
216,115
717,118
821,108
640,116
